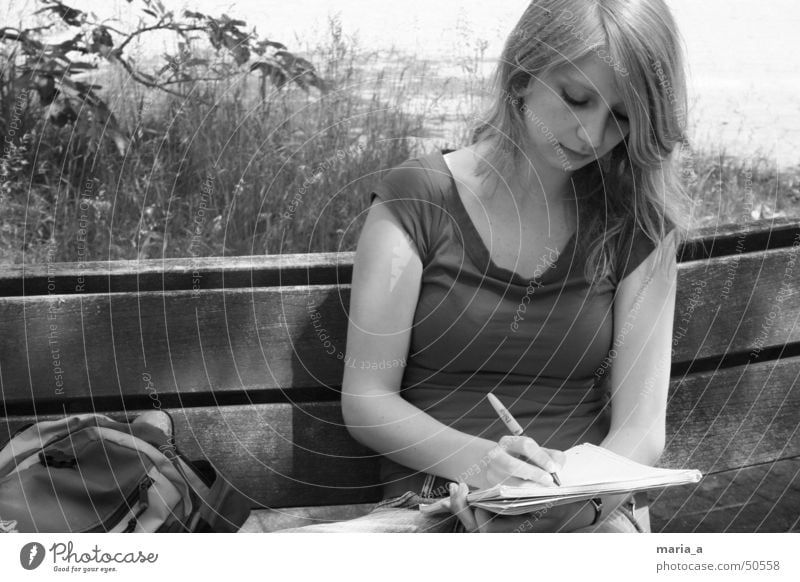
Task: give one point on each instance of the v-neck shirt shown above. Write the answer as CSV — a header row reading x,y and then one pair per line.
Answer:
x,y
538,344
481,254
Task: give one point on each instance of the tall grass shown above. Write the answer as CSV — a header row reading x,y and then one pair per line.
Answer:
x,y
245,173
229,174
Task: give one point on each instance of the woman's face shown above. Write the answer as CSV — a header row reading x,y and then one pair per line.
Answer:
x,y
574,114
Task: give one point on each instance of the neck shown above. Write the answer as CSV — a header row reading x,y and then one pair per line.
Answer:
x,y
532,184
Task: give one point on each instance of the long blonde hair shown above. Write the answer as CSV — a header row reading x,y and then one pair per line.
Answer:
x,y
638,187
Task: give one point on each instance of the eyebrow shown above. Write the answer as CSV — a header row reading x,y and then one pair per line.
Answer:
x,y
579,80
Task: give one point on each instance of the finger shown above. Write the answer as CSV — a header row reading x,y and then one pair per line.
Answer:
x,y
558,456
516,467
537,455
527,449
458,505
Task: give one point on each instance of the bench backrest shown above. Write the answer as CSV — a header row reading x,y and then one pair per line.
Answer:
x,y
244,353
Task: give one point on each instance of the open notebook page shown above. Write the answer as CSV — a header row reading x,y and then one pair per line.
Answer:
x,y
591,468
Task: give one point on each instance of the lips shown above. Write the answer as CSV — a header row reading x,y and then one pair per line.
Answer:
x,y
574,153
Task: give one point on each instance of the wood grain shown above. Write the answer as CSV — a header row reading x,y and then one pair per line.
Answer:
x,y
172,344
297,454
294,338
738,304
757,499
734,417
311,269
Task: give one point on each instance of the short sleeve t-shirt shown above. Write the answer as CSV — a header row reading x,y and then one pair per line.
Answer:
x,y
538,344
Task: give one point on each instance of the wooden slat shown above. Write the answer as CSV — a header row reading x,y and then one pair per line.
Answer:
x,y
272,338
747,237
756,499
186,273
734,417
280,455
737,304
311,269
172,343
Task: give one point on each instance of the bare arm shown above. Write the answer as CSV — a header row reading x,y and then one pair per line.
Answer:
x,y
644,311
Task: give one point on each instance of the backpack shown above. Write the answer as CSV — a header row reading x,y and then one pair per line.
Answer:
x,y
89,473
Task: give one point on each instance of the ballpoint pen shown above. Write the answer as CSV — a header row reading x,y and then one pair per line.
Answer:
x,y
511,423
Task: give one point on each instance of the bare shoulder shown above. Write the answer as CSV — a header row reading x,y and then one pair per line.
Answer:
x,y
463,166
387,274
656,276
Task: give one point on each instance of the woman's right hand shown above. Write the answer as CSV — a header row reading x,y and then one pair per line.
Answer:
x,y
517,460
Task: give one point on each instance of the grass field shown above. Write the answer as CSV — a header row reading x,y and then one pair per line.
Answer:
x,y
286,174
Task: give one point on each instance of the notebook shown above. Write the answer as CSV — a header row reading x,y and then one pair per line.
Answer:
x,y
588,471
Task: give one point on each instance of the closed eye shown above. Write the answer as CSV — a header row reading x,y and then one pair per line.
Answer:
x,y
572,101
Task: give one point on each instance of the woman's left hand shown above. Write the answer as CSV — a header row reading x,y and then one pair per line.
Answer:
x,y
547,519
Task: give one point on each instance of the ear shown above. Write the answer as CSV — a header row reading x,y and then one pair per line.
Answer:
x,y
523,92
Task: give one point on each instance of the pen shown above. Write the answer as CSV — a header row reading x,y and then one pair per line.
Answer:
x,y
511,424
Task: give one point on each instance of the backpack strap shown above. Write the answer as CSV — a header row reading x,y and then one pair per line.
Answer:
x,y
217,506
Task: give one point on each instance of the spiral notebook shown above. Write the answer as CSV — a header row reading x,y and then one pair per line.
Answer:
x,y
589,471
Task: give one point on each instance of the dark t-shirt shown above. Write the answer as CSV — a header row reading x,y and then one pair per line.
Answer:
x,y
537,344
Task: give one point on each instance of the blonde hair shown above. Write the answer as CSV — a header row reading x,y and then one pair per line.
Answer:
x,y
638,187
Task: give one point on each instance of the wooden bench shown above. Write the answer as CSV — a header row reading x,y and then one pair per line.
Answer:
x,y
243,352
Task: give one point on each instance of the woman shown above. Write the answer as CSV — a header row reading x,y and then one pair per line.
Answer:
x,y
538,263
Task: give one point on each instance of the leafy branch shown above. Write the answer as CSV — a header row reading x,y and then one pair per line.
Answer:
x,y
50,68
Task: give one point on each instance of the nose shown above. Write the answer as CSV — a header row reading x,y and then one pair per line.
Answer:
x,y
591,131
